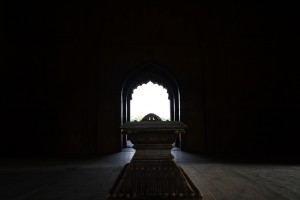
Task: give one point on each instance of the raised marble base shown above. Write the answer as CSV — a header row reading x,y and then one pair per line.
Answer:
x,y
152,172
155,179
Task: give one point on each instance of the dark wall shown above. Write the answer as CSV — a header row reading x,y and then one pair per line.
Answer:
x,y
65,65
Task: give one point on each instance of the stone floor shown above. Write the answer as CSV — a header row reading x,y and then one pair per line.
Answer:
x,y
91,178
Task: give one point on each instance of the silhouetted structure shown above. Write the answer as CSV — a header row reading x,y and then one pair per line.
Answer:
x,y
235,66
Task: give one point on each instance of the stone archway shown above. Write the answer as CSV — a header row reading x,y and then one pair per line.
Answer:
x,y
144,74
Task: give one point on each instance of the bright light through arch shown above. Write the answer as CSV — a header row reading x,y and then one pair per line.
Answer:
x,y
149,98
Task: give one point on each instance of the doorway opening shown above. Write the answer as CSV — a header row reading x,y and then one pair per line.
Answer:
x,y
149,89
150,98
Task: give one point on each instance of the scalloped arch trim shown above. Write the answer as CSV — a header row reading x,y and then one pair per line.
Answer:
x,y
146,82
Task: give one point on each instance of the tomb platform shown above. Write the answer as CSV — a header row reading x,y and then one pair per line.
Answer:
x,y
152,172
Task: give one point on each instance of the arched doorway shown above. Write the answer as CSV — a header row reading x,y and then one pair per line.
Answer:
x,y
150,98
157,75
